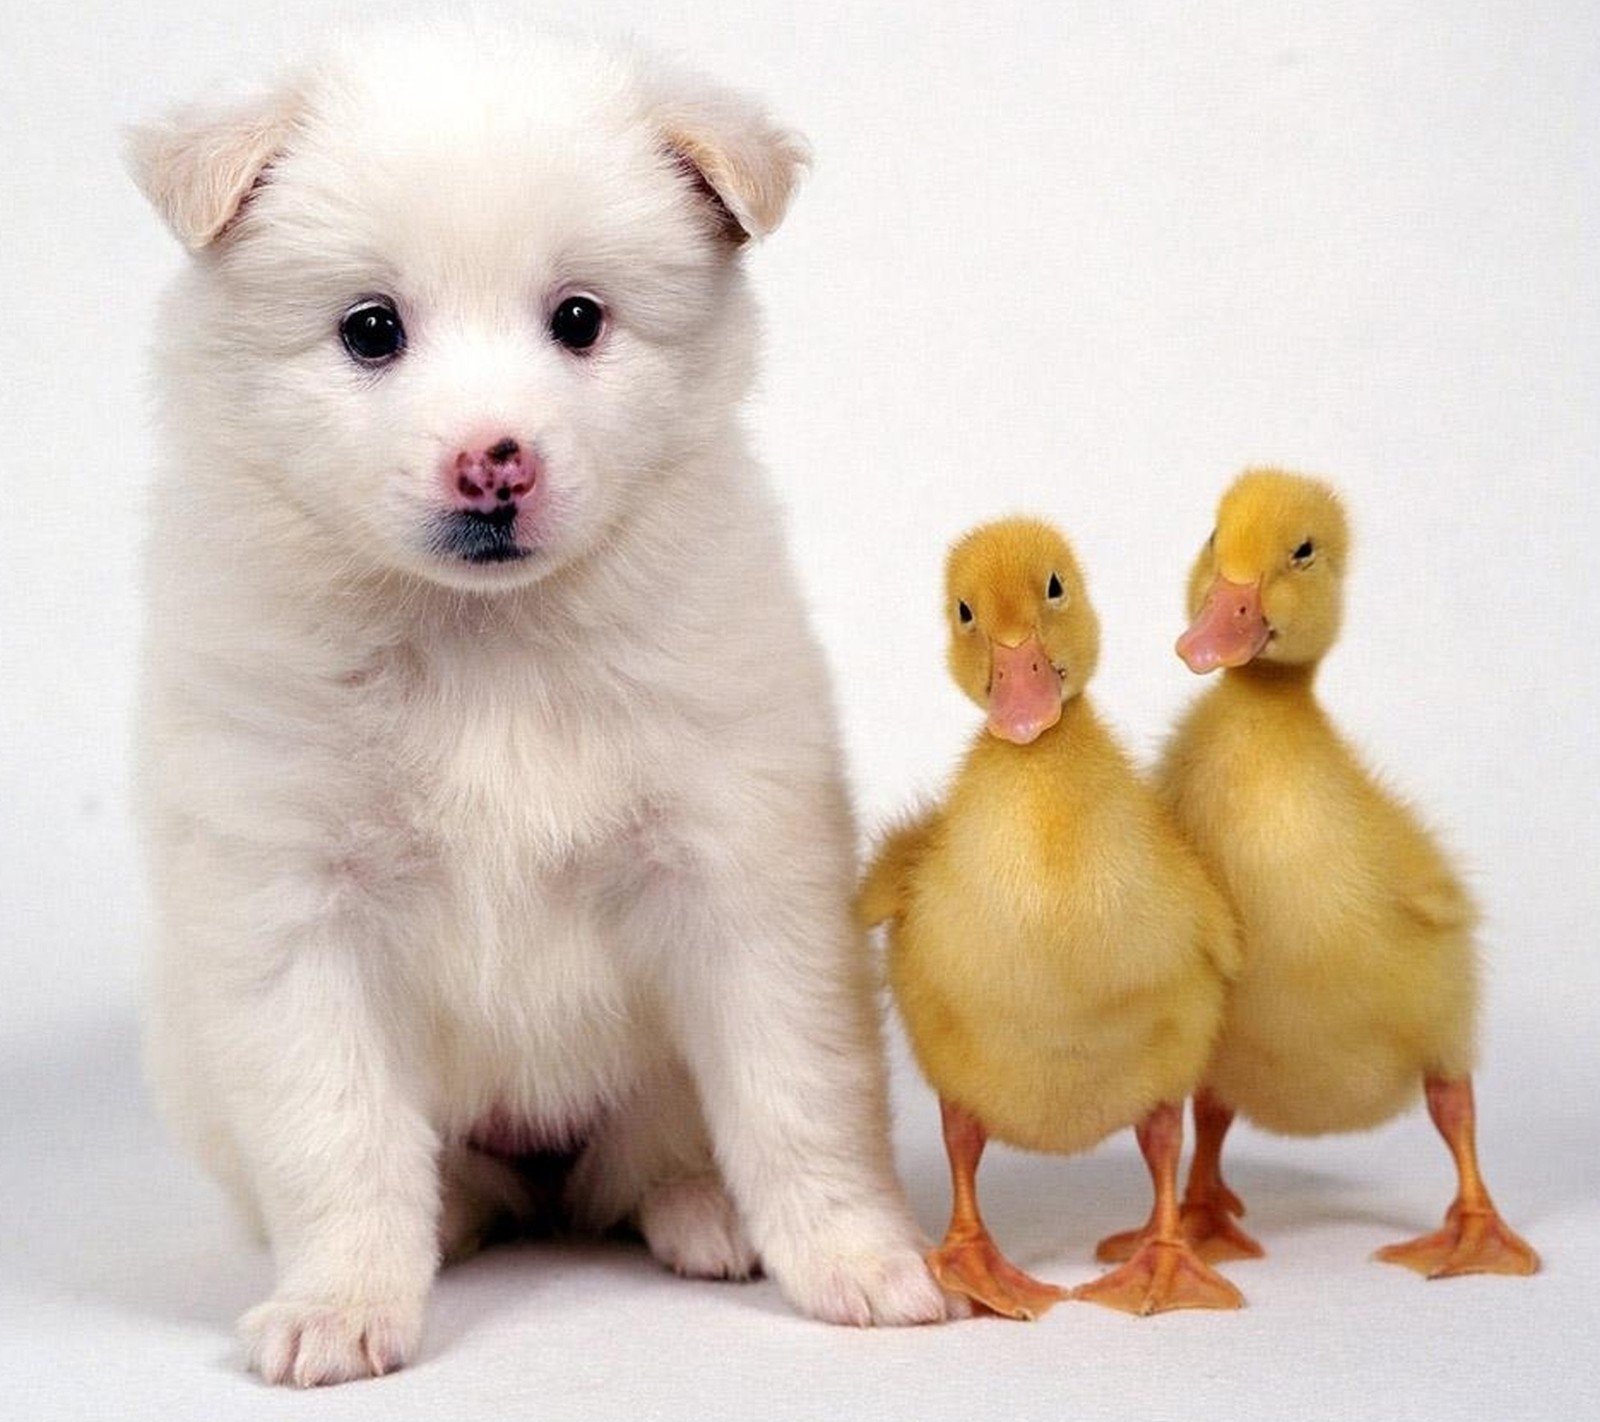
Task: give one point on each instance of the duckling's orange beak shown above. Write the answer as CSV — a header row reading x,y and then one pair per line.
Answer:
x,y
1229,630
1024,692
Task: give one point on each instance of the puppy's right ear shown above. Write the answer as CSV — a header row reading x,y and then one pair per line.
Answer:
x,y
199,167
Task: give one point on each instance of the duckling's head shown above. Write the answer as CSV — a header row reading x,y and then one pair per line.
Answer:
x,y
1023,638
1267,585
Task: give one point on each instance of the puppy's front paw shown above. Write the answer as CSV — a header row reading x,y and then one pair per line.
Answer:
x,y
693,1228
861,1282
311,1342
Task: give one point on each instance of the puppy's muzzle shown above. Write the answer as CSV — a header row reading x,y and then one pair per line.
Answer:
x,y
485,488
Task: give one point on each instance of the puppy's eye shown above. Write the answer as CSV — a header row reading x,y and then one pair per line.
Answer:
x,y
372,332
576,323
964,614
1303,555
1053,591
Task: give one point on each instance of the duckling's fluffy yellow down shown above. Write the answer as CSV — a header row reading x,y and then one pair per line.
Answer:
x,y
1360,973
1055,948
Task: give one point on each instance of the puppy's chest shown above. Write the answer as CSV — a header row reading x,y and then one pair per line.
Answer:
x,y
540,796
506,764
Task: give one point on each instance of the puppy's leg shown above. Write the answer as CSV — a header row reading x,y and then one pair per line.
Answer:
x,y
693,1227
481,1195
776,1016
651,1162
343,1164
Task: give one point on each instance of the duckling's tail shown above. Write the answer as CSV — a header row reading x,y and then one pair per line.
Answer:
x,y
887,885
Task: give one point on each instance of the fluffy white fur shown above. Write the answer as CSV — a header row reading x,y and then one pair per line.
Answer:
x,y
563,843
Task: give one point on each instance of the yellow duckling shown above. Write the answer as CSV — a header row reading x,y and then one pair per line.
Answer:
x,y
1360,973
1056,950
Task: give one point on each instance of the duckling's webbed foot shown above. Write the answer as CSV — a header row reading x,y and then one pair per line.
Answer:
x,y
1163,1270
1164,1274
975,1268
1208,1225
1474,1240
969,1262
1209,1207
1471,1242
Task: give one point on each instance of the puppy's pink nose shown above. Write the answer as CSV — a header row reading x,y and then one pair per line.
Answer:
x,y
492,477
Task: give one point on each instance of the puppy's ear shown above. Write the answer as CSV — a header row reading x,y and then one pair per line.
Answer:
x,y
198,167
748,164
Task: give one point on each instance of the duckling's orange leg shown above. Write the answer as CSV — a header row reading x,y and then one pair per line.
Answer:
x,y
1164,1272
969,1262
1209,1206
1474,1240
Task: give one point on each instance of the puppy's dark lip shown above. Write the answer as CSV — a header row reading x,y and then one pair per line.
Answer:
x,y
497,555
479,539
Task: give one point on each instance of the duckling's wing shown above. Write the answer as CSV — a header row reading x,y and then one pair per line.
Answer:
x,y
886,888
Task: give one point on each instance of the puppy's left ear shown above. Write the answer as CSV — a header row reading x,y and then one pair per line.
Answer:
x,y
748,164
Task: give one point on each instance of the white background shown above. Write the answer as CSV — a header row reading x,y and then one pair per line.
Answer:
x,y
1085,260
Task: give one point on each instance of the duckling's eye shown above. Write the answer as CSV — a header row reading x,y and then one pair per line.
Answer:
x,y
964,613
1053,590
1302,556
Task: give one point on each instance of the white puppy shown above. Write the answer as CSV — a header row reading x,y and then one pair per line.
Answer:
x,y
491,777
